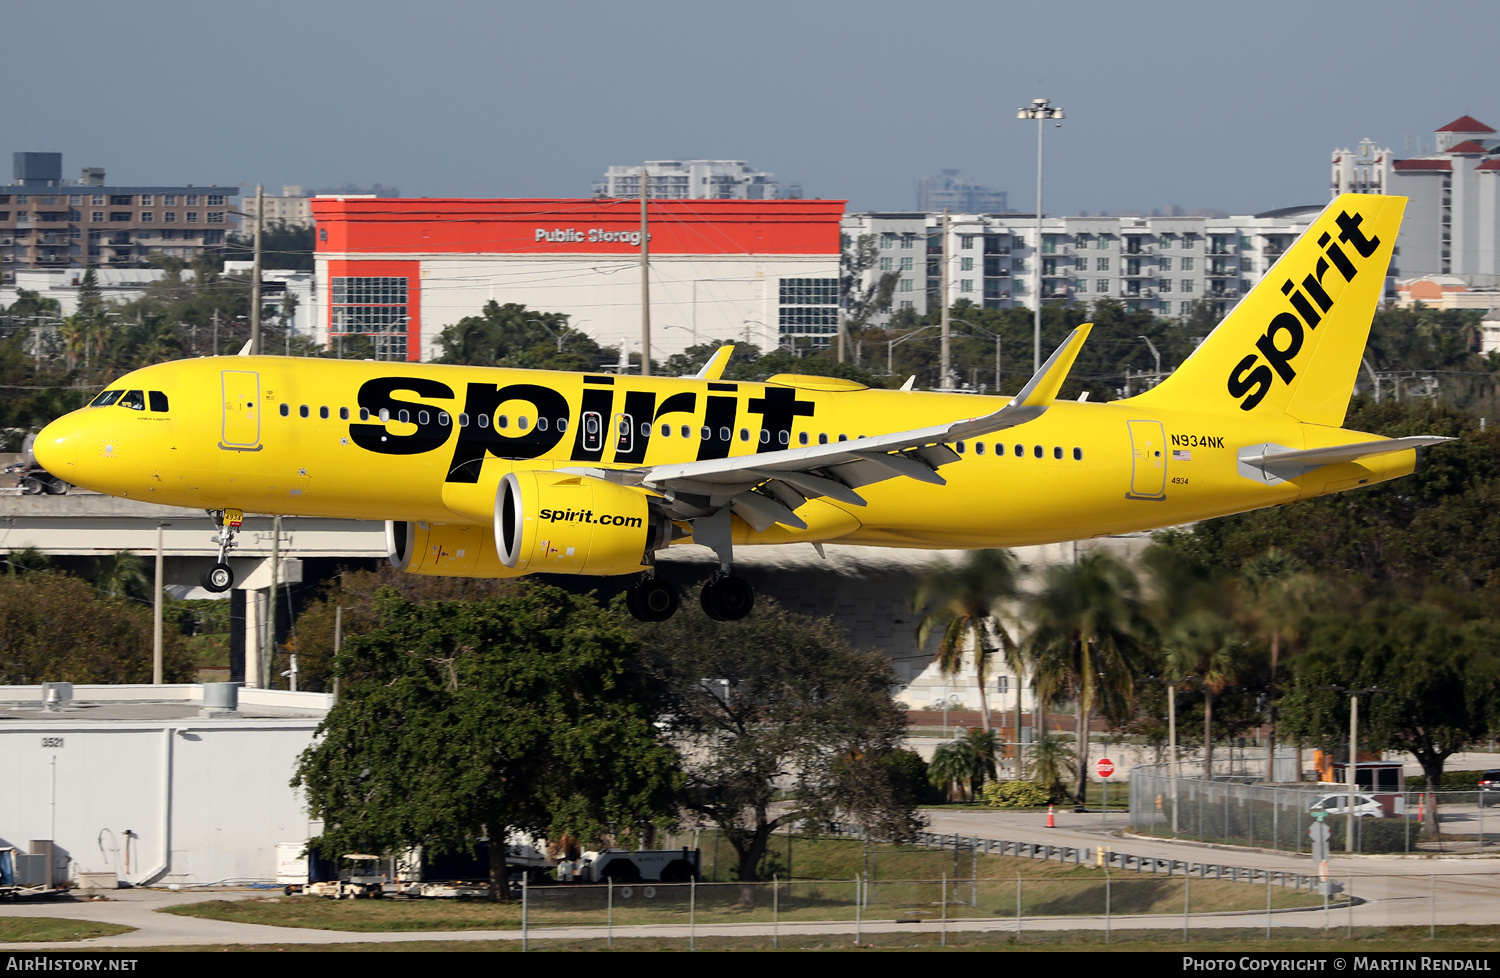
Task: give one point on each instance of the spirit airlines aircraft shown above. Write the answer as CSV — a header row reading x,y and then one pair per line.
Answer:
x,y
485,472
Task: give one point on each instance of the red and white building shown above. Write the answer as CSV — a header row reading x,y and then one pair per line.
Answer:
x,y
401,269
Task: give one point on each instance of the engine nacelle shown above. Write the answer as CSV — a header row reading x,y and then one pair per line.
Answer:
x,y
546,522
445,549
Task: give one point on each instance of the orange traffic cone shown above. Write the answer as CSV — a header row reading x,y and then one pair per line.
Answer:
x,y
1051,821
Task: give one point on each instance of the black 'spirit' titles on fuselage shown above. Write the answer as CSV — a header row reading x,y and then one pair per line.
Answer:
x,y
596,429
1283,339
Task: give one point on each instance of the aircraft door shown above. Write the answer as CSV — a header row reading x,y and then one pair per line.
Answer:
x,y
1148,470
624,434
241,429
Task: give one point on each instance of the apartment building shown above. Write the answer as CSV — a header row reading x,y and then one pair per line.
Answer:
x,y
47,222
1159,264
1452,223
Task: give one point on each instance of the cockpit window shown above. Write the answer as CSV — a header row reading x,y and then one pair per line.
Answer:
x,y
106,398
133,400
158,402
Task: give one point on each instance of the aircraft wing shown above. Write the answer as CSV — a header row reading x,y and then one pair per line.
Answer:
x,y
766,488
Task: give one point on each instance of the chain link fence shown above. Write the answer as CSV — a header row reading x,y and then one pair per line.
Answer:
x,y
1229,811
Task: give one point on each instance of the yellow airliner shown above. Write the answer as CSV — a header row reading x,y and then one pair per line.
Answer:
x,y
484,472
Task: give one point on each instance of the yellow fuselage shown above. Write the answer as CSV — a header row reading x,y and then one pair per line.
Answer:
x,y
282,435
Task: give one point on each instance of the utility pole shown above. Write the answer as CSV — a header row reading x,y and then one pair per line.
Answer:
x,y
156,614
645,284
945,381
267,661
260,220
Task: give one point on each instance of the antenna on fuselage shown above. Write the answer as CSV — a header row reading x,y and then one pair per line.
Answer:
x,y
245,350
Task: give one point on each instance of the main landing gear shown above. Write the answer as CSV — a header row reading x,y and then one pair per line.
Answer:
x,y
220,577
725,597
652,599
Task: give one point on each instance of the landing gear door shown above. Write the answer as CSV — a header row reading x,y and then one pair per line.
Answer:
x,y
1148,470
241,431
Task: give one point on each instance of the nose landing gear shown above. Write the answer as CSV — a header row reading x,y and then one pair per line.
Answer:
x,y
220,577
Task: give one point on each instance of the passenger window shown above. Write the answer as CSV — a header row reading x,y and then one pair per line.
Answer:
x,y
1078,455
404,416
106,398
802,438
999,448
483,419
286,411
1057,453
158,402
666,431
343,414
1020,451
687,432
323,413
422,417
364,414
463,420
443,418
501,420
979,448
303,412
823,438
645,429
385,414
723,434
705,433
783,436
960,447
562,425
541,424
843,437
133,400
1037,451
765,436
521,422
744,434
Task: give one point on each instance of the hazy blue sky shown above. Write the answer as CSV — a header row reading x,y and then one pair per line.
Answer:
x,y
1232,106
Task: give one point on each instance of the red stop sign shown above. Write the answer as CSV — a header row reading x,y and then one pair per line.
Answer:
x,y
1105,767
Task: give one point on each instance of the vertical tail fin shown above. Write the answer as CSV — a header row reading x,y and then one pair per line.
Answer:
x,y
1293,344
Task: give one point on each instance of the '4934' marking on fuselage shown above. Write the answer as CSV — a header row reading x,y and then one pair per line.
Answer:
x,y
594,428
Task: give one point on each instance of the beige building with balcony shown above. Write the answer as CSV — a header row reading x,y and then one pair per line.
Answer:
x,y
47,222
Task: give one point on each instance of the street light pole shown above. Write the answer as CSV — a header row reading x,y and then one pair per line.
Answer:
x,y
993,336
1041,110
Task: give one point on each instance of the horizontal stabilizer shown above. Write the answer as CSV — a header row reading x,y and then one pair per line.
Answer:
x,y
1267,456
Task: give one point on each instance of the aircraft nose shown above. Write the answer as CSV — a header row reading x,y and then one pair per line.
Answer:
x,y
56,448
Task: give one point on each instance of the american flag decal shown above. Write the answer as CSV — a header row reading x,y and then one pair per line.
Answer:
x,y
1182,455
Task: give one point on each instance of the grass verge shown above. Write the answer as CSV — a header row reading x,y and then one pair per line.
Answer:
x,y
55,929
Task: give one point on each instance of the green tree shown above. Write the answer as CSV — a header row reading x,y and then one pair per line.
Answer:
x,y
123,574
1050,759
779,698
459,721
1277,599
1435,663
1086,643
512,335
56,627
1207,645
963,603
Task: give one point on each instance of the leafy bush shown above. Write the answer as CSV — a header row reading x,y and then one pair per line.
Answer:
x,y
1015,794
1462,780
1373,834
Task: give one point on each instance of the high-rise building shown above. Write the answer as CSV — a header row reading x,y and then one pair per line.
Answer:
x,y
691,180
48,222
1452,222
959,194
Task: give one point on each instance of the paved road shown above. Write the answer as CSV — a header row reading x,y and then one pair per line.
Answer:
x,y
1399,890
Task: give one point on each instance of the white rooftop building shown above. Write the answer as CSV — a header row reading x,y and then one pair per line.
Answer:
x,y
690,180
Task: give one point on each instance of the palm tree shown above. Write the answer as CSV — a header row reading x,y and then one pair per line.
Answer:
x,y
1278,596
1087,626
122,574
1206,644
954,769
1050,758
962,602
